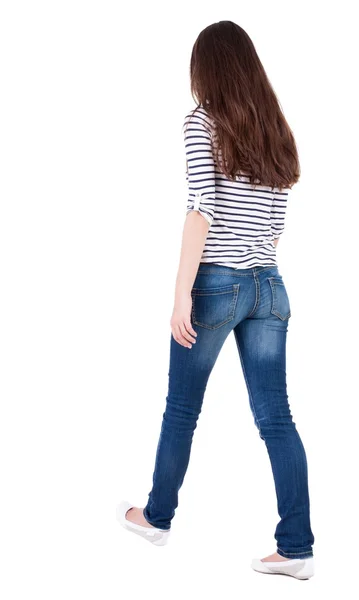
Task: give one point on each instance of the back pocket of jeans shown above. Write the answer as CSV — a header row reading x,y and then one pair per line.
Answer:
x,y
280,301
214,307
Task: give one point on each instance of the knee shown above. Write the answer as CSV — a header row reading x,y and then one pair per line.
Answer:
x,y
182,413
275,426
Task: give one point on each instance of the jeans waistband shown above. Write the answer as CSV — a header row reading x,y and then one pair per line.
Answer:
x,y
219,269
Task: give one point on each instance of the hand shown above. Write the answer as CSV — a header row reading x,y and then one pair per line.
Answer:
x,y
181,325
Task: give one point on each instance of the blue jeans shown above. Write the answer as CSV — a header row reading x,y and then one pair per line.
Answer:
x,y
254,304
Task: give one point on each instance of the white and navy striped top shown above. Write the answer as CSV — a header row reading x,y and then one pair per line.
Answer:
x,y
244,220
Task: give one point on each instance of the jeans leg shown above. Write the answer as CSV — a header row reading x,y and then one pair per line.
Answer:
x,y
188,376
261,344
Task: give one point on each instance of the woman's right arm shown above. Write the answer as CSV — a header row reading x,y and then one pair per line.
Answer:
x,y
193,239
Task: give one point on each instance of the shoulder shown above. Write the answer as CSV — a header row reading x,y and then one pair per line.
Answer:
x,y
282,192
199,119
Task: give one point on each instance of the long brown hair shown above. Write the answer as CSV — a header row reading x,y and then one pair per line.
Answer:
x,y
229,81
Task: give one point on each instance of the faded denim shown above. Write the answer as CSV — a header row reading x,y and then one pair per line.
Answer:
x,y
254,304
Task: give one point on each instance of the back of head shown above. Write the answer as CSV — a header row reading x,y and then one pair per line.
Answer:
x,y
252,135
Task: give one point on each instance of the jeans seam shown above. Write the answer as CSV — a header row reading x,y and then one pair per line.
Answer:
x,y
256,303
248,387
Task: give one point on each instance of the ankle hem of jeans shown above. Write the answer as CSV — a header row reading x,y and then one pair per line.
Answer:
x,y
305,554
154,524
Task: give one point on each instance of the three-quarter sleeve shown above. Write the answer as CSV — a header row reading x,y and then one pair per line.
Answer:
x,y
200,175
278,212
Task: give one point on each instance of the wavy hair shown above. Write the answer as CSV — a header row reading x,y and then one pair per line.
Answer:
x,y
252,135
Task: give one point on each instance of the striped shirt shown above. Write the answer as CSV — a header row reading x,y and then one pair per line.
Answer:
x,y
244,219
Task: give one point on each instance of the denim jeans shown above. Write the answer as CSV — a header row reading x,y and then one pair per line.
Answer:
x,y
254,304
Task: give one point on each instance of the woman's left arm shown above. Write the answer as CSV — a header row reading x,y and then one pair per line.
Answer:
x,y
200,214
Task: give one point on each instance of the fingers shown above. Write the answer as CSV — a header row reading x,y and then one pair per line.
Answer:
x,y
179,337
186,334
182,336
190,329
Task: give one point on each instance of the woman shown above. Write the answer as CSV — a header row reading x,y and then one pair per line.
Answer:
x,y
241,162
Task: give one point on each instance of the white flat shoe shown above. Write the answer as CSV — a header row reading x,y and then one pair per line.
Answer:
x,y
158,537
300,568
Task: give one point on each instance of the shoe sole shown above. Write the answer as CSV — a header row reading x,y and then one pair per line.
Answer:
x,y
298,568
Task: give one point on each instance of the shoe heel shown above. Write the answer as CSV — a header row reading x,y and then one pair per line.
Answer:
x,y
163,540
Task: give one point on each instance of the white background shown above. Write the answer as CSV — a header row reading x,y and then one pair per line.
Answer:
x,y
93,200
